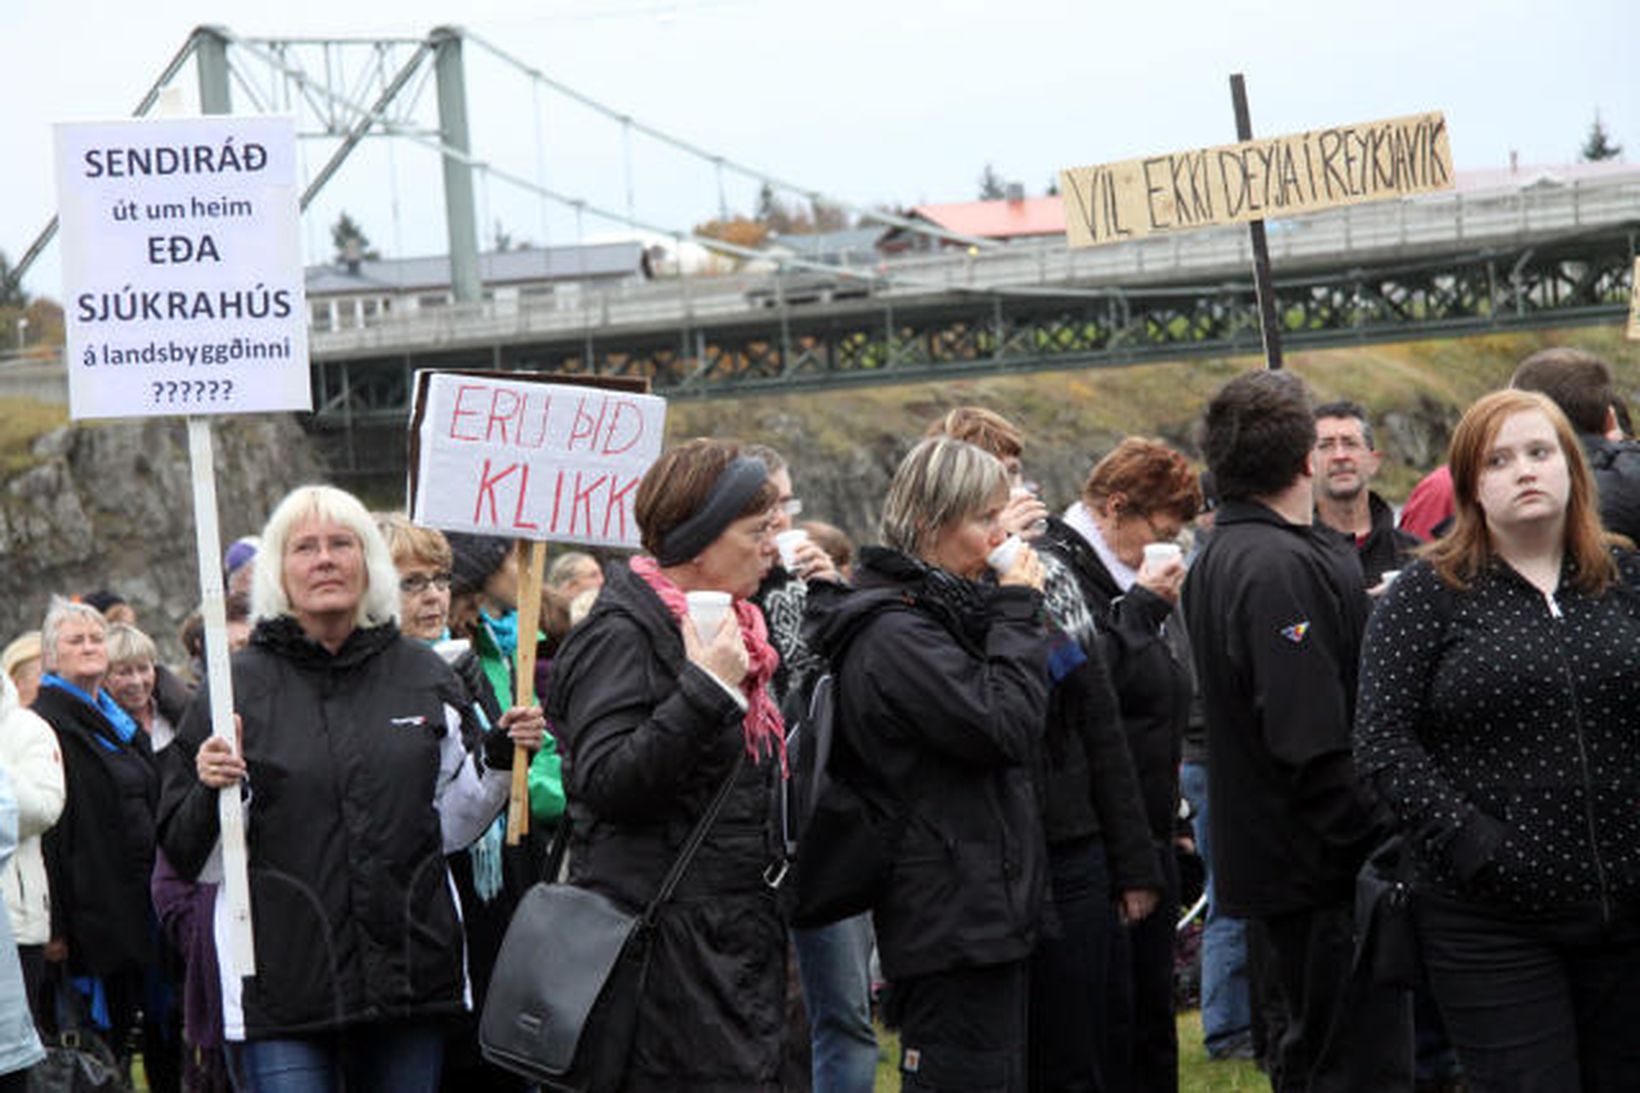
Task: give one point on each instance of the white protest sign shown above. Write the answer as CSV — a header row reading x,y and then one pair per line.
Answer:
x,y
528,458
182,266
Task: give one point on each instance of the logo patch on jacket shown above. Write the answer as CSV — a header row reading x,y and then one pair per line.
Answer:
x,y
1295,633
407,722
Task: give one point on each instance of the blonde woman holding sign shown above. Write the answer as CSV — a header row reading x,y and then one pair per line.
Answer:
x,y
356,784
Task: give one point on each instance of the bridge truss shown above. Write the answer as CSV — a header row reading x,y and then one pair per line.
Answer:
x,y
1583,278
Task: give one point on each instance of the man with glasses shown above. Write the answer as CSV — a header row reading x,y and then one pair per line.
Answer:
x,y
1346,464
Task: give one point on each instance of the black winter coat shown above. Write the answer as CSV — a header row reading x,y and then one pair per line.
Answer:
x,y
1616,467
100,853
1090,786
647,737
350,900
1151,673
948,708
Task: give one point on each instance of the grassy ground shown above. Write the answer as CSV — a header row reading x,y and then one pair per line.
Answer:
x,y
21,421
1196,1073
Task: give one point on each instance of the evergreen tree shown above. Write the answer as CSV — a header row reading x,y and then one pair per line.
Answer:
x,y
991,187
1598,145
351,243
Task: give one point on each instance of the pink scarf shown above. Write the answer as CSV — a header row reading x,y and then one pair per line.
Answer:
x,y
765,732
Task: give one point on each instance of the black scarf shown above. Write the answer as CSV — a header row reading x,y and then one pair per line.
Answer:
x,y
960,605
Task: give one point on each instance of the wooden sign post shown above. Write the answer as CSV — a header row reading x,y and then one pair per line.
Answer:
x,y
1263,290
1246,182
535,458
182,274
1634,303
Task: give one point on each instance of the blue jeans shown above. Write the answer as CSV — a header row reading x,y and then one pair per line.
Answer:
x,y
834,964
405,1057
1227,1012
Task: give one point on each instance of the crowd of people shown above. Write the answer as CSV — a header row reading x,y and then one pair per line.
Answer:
x,y
1401,755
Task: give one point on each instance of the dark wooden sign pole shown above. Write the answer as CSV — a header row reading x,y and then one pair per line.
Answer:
x,y
1269,323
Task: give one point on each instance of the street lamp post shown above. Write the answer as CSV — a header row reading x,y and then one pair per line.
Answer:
x,y
22,329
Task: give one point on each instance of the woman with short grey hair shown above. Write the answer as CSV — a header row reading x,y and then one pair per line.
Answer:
x,y
101,852
941,693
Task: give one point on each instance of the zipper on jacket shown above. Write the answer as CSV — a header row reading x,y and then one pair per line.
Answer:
x,y
1582,759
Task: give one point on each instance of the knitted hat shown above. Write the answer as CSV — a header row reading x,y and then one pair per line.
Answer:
x,y
24,648
239,552
473,559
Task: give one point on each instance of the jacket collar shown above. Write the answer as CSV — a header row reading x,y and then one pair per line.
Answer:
x,y
1252,512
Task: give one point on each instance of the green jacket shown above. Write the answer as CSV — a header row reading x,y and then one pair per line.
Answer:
x,y
546,769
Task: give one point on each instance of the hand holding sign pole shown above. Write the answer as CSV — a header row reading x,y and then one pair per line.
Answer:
x,y
529,621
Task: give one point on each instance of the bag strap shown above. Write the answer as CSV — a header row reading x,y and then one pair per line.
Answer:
x,y
697,836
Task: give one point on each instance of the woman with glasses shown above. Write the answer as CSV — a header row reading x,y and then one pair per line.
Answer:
x,y
1142,493
654,715
489,877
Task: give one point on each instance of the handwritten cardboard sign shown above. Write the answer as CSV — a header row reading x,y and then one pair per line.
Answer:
x,y
530,458
182,266
1634,304
1257,179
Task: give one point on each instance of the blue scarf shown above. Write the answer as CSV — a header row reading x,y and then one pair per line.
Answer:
x,y
505,631
121,721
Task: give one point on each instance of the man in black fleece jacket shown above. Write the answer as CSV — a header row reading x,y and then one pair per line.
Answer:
x,y
1276,612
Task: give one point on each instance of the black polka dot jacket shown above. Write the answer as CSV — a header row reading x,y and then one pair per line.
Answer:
x,y
1503,728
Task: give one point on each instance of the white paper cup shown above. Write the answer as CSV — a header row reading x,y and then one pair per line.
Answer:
x,y
787,543
1387,578
1159,554
1001,560
706,611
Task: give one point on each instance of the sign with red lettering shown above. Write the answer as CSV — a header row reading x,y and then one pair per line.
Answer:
x,y
519,456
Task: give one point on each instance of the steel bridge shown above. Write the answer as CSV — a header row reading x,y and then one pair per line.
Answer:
x,y
1450,264
1441,266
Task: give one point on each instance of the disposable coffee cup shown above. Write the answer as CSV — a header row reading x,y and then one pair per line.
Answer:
x,y
1387,578
1159,554
787,542
706,611
1035,527
1001,560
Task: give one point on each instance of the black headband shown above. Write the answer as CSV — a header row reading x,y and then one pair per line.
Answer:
x,y
732,491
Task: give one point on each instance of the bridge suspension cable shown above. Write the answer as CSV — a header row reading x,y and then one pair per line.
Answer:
x,y
614,216
876,215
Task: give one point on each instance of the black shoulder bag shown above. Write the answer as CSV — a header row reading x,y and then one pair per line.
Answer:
x,y
563,1001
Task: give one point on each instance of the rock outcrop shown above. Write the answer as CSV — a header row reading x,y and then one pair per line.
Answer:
x,y
111,506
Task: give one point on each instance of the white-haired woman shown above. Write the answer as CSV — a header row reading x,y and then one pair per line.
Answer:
x,y
358,784
942,687
101,852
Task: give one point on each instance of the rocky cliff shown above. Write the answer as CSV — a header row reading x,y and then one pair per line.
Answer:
x,y
111,506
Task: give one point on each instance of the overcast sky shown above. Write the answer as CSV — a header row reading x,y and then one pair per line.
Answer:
x,y
873,101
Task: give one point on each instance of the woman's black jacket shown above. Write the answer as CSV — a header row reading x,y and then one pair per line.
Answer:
x,y
946,703
351,903
647,737
1500,725
1149,668
100,853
